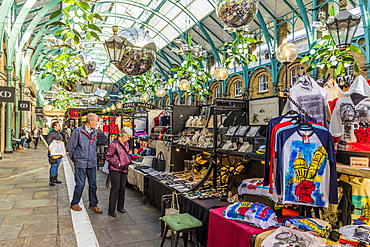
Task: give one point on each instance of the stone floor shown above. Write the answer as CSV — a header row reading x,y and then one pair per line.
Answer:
x,y
32,213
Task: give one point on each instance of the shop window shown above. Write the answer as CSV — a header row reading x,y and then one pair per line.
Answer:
x,y
294,74
349,70
217,91
263,84
238,90
176,100
189,100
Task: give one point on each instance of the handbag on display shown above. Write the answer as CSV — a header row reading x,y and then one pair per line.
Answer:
x,y
157,118
175,206
159,163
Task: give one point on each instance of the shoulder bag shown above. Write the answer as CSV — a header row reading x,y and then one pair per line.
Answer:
x,y
173,209
159,163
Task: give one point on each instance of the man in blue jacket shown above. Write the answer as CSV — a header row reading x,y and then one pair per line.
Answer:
x,y
82,151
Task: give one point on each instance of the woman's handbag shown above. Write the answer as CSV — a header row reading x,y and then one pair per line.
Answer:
x,y
159,163
173,209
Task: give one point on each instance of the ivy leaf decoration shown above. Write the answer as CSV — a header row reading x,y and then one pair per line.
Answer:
x,y
238,50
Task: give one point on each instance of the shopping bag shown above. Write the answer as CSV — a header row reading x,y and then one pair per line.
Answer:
x,y
105,167
175,206
56,149
159,163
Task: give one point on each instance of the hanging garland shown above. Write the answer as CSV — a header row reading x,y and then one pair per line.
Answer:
x,y
238,49
191,70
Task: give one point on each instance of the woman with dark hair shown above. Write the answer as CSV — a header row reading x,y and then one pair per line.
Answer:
x,y
54,134
118,157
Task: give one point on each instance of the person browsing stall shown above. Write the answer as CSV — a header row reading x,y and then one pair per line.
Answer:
x,y
82,151
118,157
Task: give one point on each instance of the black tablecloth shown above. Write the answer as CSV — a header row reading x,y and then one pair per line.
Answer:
x,y
155,191
200,210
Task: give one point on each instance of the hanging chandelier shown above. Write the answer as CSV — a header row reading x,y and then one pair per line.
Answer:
x,y
196,50
53,42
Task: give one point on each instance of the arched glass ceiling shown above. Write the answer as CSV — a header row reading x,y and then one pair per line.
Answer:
x,y
165,20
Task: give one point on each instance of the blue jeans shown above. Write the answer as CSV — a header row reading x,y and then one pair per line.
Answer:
x,y
23,142
54,168
80,179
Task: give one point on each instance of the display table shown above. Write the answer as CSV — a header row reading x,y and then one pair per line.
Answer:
x,y
155,190
224,232
136,177
200,210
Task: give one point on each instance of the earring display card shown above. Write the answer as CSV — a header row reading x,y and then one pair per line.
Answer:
x,y
242,131
232,130
253,131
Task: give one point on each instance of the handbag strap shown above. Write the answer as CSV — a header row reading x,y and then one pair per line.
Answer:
x,y
160,154
173,202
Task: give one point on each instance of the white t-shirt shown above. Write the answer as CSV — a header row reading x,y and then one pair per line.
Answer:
x,y
347,117
311,97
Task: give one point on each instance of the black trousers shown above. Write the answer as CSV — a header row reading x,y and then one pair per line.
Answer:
x,y
117,191
36,141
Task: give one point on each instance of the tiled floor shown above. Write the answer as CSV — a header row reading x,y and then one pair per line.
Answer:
x,y
32,213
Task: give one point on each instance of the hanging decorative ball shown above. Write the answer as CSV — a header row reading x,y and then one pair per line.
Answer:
x,y
92,101
139,51
287,52
90,66
184,84
144,97
112,107
103,97
221,73
236,13
119,105
161,92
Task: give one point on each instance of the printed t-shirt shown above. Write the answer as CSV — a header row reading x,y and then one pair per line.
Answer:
x,y
306,172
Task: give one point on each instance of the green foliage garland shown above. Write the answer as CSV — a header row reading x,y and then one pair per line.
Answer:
x,y
191,70
238,50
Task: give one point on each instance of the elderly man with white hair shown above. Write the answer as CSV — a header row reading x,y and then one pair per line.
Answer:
x,y
82,151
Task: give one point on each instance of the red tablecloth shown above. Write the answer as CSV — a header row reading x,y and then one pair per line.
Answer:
x,y
229,233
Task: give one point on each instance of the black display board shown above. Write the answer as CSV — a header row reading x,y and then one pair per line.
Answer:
x,y
180,114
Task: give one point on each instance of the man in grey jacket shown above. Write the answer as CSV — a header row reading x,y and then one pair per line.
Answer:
x,y
82,151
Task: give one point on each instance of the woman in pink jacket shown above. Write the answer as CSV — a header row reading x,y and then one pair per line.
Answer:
x,y
118,157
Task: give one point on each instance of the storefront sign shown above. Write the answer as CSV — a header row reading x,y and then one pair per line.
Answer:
x,y
24,105
7,94
138,104
39,111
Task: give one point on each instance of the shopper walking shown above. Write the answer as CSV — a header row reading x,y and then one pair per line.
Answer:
x,y
25,136
36,135
82,151
54,135
118,157
45,131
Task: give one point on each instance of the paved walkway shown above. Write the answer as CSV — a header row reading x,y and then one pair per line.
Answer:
x,y
32,213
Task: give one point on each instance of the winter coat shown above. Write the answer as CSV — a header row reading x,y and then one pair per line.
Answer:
x,y
118,156
81,147
53,135
101,139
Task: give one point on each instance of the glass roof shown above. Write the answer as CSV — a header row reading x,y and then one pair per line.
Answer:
x,y
166,20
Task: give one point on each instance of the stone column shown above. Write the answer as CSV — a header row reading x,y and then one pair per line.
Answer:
x,y
16,112
8,117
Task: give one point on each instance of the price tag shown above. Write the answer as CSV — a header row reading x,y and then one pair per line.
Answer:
x,y
306,139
